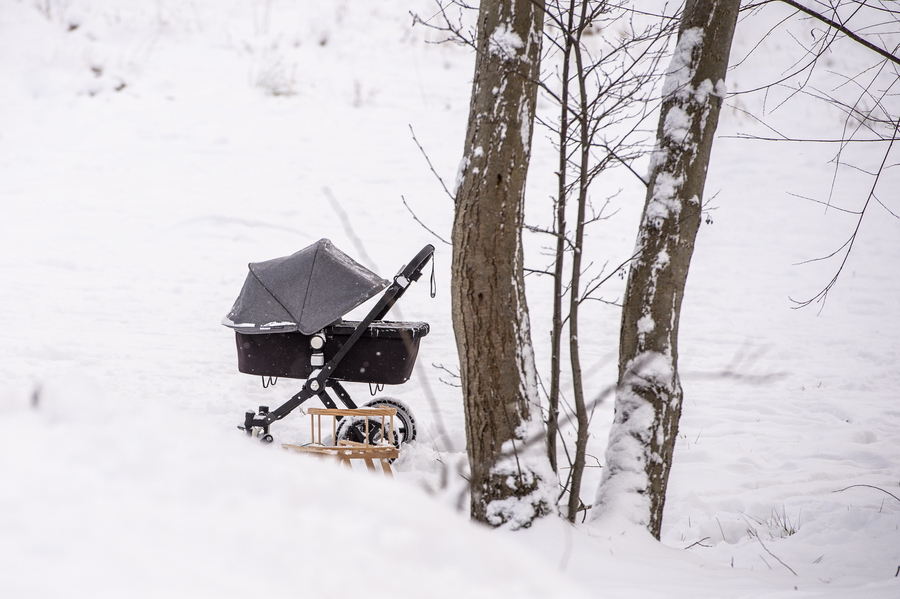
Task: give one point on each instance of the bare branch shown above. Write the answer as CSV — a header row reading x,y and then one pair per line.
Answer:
x,y
823,294
453,29
839,27
827,204
430,165
423,225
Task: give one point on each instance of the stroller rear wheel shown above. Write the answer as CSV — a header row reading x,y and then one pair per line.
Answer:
x,y
406,424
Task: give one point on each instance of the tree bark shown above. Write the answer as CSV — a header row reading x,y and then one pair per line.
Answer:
x,y
511,477
649,394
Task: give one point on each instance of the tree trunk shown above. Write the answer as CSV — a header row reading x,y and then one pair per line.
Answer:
x,y
511,479
560,230
584,149
649,395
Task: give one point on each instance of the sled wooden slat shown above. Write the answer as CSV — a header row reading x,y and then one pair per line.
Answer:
x,y
353,412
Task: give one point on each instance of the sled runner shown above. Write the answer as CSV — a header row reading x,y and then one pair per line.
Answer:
x,y
288,323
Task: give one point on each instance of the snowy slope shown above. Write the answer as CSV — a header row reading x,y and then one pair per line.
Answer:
x,y
150,150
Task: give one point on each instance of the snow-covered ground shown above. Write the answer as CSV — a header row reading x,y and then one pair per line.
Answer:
x,y
150,149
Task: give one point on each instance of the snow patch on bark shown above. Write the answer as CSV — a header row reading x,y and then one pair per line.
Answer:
x,y
681,70
677,126
721,88
662,258
525,126
664,202
505,42
524,350
524,466
645,324
657,157
499,91
625,486
704,90
650,368
520,512
461,173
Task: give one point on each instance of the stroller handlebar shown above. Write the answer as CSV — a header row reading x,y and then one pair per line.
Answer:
x,y
413,270
409,273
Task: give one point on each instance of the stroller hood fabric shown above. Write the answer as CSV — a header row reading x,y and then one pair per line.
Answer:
x,y
302,292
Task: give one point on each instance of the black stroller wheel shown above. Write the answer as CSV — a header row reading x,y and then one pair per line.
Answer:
x,y
353,428
266,439
405,422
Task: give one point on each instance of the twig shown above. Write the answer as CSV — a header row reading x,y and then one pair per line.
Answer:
x,y
454,375
717,520
536,271
826,204
871,487
421,224
431,166
700,542
775,556
802,140
425,384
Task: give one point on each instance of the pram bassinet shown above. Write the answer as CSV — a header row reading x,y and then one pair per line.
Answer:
x,y
384,354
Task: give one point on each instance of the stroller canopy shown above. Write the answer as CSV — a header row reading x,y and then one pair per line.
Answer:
x,y
302,292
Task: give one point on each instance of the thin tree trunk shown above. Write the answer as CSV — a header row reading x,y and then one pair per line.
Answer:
x,y
510,480
561,197
649,394
584,146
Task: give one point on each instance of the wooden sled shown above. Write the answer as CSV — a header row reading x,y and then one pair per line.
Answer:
x,y
371,423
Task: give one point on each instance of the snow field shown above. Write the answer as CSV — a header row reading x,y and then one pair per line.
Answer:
x,y
248,129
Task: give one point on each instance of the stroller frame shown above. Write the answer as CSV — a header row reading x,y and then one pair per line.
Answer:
x,y
321,380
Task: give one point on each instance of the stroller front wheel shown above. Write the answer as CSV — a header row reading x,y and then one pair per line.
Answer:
x,y
406,423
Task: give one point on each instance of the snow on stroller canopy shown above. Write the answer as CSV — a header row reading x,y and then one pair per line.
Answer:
x,y
302,292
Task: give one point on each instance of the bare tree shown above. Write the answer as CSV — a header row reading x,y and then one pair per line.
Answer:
x,y
511,482
649,394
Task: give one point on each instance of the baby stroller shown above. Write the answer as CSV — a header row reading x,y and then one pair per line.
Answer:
x,y
288,323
